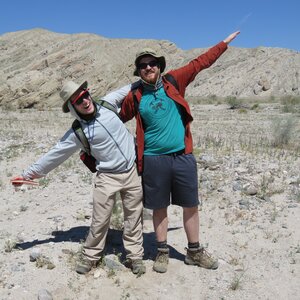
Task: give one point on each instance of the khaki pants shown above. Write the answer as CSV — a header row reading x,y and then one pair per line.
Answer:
x,y
106,187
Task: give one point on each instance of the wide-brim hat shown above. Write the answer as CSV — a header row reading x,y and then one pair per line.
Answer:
x,y
68,90
147,52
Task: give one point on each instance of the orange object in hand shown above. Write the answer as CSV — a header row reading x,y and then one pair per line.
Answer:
x,y
19,180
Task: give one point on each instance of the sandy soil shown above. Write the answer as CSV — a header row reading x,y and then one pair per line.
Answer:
x,y
250,215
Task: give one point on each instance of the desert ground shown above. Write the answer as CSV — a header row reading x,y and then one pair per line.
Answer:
x,y
249,185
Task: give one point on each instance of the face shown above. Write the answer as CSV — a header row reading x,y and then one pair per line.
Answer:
x,y
149,69
84,104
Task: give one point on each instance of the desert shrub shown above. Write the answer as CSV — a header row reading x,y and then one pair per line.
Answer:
x,y
272,99
282,131
202,100
236,281
255,106
44,182
233,102
290,104
243,111
9,245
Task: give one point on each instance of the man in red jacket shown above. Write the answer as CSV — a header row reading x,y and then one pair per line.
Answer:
x,y
165,147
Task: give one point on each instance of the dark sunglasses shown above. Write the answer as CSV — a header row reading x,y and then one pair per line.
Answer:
x,y
151,64
79,101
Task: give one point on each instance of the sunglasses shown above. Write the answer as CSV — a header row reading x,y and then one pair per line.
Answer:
x,y
151,64
79,101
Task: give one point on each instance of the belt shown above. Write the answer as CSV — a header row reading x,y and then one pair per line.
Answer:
x,y
180,152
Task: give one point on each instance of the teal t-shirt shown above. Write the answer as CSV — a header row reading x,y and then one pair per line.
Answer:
x,y
163,124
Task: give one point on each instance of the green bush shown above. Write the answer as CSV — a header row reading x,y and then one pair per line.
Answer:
x,y
233,102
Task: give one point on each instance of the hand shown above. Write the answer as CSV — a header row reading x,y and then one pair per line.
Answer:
x,y
17,180
231,37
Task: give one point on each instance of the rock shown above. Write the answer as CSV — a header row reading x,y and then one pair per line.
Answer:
x,y
237,185
112,262
295,180
264,83
99,273
244,203
44,294
241,171
209,162
250,190
35,71
34,254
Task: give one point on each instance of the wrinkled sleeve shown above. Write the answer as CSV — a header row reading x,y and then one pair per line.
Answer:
x,y
186,74
116,97
67,145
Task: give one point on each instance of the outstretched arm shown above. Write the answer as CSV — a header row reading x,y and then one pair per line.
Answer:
x,y
231,37
116,97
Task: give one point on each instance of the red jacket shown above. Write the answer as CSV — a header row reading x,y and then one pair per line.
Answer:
x,y
183,76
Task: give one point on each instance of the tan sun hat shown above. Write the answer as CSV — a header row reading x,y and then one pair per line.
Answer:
x,y
151,52
68,90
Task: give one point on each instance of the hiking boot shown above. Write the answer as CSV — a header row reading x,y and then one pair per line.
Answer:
x,y
161,261
85,265
201,258
136,265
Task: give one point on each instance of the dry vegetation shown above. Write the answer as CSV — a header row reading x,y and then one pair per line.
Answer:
x,y
249,183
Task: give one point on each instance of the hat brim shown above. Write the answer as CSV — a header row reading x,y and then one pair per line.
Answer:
x,y
161,61
65,107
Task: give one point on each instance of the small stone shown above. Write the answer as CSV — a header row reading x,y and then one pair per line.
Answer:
x,y
251,190
236,186
34,254
112,262
99,273
241,170
43,294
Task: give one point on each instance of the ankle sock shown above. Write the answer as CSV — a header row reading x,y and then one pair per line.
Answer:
x,y
194,245
162,245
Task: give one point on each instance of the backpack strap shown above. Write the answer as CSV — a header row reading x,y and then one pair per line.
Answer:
x,y
135,101
107,105
172,80
76,126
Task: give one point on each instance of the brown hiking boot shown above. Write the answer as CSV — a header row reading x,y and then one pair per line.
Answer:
x,y
161,261
201,258
136,265
85,265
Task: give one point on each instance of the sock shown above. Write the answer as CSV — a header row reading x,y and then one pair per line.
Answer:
x,y
162,245
194,245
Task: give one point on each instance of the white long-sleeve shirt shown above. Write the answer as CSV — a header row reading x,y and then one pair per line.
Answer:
x,y
111,143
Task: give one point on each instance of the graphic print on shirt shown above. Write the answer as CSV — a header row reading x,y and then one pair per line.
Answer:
x,y
162,121
157,105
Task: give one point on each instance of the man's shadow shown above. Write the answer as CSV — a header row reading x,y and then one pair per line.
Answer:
x,y
114,243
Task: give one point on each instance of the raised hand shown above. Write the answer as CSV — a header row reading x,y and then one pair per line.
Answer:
x,y
231,37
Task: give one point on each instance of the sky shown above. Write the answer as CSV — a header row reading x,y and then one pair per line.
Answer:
x,y
188,24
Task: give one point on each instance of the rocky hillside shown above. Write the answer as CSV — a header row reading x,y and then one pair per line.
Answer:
x,y
35,63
